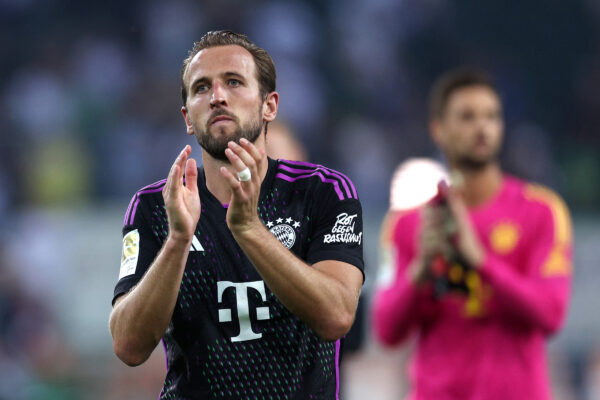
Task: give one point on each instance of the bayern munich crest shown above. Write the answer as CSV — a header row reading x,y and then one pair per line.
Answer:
x,y
284,232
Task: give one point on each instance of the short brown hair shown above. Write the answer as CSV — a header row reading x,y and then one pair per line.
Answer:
x,y
452,81
265,69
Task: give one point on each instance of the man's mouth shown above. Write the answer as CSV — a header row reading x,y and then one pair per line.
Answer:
x,y
220,118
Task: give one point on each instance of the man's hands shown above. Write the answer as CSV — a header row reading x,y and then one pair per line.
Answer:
x,y
434,241
141,316
242,214
446,230
323,295
182,203
466,241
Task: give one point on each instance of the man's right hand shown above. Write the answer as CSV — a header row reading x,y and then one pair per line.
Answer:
x,y
141,316
433,241
182,202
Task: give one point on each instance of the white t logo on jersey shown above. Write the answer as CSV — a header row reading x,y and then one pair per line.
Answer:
x,y
243,309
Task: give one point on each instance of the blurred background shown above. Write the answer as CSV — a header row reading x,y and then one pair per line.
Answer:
x,y
89,113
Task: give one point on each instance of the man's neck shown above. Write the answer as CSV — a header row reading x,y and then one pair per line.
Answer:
x,y
479,186
216,183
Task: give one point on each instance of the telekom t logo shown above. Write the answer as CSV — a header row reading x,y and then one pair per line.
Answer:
x,y
241,296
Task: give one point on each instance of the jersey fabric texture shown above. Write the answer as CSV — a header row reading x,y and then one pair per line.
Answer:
x,y
230,337
487,343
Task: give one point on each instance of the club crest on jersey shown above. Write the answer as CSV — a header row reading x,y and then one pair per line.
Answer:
x,y
283,231
504,237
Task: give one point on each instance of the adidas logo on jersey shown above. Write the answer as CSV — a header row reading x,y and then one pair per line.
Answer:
x,y
196,246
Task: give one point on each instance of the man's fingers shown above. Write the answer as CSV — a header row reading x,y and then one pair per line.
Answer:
x,y
251,149
433,244
235,153
181,161
175,178
236,162
236,187
191,175
432,215
247,159
456,204
171,188
172,179
459,212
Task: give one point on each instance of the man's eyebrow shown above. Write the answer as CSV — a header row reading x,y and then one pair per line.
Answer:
x,y
204,79
231,74
199,81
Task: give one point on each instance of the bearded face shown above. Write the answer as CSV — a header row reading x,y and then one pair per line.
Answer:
x,y
214,135
224,100
471,129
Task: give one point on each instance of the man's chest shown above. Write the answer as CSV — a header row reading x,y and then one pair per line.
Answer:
x,y
221,285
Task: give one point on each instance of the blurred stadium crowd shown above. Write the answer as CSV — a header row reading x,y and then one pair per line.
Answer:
x,y
90,95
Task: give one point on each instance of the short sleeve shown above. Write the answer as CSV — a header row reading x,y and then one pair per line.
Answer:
x,y
337,232
140,247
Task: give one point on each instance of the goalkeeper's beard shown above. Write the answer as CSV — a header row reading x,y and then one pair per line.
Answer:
x,y
468,163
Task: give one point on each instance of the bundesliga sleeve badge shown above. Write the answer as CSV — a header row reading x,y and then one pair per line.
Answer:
x,y
131,251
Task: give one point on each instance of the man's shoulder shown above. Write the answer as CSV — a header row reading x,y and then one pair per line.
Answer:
x,y
153,187
152,191
542,205
535,194
316,177
550,203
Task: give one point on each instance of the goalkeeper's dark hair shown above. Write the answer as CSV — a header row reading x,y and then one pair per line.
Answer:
x,y
452,81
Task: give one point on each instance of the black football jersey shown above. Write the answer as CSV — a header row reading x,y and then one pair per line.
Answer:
x,y
230,337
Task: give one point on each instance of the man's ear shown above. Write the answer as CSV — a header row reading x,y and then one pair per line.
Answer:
x,y
188,122
270,106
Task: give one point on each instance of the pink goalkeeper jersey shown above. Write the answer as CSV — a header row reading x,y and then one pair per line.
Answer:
x,y
490,342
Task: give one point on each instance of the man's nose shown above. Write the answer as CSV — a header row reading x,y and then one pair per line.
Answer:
x,y
217,97
482,123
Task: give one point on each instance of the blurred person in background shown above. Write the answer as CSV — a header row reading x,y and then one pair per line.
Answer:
x,y
282,143
248,269
483,270
35,358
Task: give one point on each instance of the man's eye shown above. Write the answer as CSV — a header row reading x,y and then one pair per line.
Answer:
x,y
201,88
494,116
234,82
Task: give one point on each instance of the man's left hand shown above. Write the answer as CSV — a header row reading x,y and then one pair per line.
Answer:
x,y
467,244
242,214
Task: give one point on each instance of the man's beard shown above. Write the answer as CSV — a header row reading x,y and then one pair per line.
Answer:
x,y
470,163
216,146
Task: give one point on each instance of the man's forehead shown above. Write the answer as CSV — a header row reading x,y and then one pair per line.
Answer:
x,y
476,94
220,59
476,90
